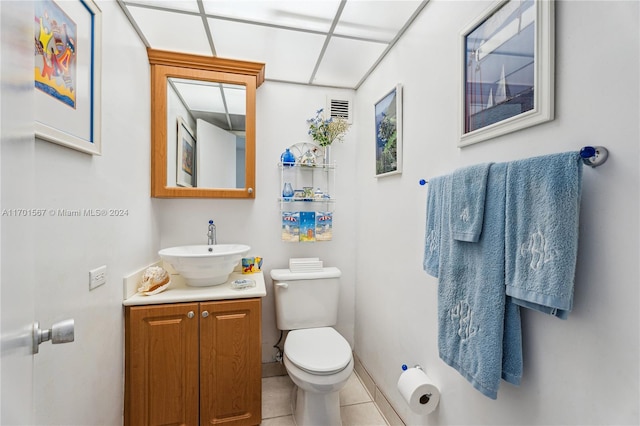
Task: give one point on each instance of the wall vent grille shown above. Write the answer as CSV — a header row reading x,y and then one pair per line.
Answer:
x,y
340,108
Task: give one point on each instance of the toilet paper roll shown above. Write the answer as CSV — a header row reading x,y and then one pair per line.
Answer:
x,y
418,390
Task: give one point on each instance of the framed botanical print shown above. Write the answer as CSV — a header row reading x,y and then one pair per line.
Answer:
x,y
388,136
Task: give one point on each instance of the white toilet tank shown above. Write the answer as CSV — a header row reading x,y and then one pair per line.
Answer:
x,y
306,299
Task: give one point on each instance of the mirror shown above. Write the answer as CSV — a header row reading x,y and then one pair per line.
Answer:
x,y
206,134
202,126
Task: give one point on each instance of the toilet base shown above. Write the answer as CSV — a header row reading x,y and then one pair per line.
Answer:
x,y
316,398
316,409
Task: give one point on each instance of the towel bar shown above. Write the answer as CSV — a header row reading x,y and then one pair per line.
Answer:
x,y
593,156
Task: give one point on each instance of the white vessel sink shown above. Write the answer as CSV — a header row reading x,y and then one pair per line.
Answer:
x,y
204,265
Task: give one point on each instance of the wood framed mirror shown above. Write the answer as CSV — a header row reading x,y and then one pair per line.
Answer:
x,y
203,125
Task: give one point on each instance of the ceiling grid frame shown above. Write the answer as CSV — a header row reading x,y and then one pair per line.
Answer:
x,y
287,16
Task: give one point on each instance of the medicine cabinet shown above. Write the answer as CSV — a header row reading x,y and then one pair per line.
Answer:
x,y
203,125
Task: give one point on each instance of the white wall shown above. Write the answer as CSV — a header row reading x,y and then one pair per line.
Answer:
x,y
576,372
82,383
282,111
216,156
378,224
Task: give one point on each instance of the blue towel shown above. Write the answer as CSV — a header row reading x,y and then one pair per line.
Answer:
x,y
468,187
434,223
512,363
543,206
478,332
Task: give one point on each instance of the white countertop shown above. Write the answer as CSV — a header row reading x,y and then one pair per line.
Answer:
x,y
179,291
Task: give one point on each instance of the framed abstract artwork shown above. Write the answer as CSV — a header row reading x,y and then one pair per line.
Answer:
x,y
388,133
67,73
507,70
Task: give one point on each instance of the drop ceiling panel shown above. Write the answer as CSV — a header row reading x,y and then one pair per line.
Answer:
x,y
346,61
311,15
208,97
375,20
186,5
288,55
288,36
236,99
172,31
201,97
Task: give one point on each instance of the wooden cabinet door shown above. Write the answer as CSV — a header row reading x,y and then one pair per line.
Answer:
x,y
161,372
230,363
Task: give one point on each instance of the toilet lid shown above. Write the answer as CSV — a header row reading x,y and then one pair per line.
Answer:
x,y
318,350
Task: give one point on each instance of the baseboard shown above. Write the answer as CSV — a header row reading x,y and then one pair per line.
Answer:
x,y
271,369
379,398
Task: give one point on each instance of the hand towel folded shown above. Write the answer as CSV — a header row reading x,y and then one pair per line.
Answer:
x,y
468,186
433,225
542,211
474,322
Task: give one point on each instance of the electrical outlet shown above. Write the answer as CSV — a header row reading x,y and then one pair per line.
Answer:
x,y
97,277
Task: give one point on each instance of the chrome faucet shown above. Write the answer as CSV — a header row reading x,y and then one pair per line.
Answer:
x,y
211,234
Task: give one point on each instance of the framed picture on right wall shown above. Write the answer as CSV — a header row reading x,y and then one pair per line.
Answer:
x,y
507,69
388,137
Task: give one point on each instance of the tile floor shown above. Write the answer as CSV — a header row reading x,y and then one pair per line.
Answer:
x,y
356,405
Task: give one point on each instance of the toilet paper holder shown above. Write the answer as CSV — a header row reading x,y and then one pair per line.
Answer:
x,y
424,399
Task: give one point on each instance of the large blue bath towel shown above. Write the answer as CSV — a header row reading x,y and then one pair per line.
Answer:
x,y
468,189
433,225
478,332
543,206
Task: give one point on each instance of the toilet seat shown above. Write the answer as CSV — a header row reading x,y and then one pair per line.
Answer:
x,y
320,351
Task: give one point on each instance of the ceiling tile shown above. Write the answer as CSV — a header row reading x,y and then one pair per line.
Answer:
x,y
346,61
288,36
375,20
207,96
235,98
314,15
186,5
288,55
172,31
200,96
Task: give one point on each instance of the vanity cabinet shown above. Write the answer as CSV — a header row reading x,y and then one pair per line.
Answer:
x,y
193,363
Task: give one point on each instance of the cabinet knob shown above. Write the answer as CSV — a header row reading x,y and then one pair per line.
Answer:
x,y
205,314
190,314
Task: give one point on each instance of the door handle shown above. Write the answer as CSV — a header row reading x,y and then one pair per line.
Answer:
x,y
60,332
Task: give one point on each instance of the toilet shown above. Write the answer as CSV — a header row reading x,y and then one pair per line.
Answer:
x,y
317,358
